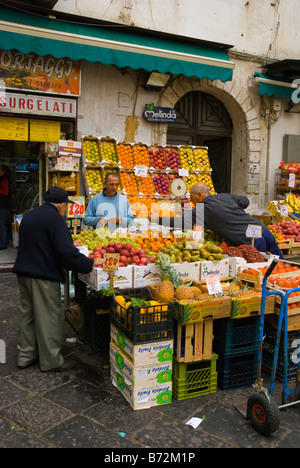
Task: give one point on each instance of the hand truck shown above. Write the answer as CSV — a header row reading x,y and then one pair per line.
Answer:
x,y
262,408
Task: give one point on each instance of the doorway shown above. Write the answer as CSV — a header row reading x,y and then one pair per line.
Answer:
x,y
203,120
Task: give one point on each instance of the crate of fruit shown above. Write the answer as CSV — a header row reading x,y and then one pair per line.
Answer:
x,y
91,150
125,155
172,158
93,180
129,182
187,159
253,274
206,308
140,155
157,157
161,184
248,303
146,186
201,158
141,319
108,151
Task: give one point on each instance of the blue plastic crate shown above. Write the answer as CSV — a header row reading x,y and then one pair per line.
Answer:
x,y
236,336
236,370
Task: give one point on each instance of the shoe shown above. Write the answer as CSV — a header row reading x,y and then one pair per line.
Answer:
x,y
66,366
33,363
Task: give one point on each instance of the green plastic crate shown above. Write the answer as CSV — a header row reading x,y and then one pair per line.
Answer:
x,y
194,379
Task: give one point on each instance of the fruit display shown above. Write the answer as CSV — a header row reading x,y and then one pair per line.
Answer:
x,y
190,181
91,151
248,252
161,184
140,155
125,155
207,180
172,158
293,203
157,157
129,183
146,185
94,179
108,152
186,154
201,159
286,230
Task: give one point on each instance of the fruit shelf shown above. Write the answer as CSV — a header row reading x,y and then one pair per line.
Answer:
x,y
91,150
157,157
108,151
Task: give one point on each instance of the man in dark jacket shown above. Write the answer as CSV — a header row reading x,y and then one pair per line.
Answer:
x,y
45,250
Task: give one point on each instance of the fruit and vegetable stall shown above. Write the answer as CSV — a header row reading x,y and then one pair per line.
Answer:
x,y
179,314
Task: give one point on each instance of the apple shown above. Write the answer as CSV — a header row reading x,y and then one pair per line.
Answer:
x,y
121,264
125,253
110,250
143,260
123,259
97,248
128,247
112,244
151,259
141,252
119,247
136,259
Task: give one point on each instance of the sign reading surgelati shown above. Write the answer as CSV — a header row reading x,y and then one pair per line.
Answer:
x,y
40,105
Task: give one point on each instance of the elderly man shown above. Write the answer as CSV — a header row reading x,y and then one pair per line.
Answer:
x,y
225,215
45,251
109,208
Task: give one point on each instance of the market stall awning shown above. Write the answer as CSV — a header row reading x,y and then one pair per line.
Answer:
x,y
276,86
111,46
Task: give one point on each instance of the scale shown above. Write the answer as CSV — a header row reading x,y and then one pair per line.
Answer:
x,y
178,188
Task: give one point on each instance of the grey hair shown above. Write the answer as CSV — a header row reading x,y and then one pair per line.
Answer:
x,y
200,188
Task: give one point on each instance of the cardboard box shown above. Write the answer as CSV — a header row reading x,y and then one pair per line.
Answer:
x,y
144,397
250,306
143,354
234,263
208,269
188,271
98,279
147,275
141,376
196,312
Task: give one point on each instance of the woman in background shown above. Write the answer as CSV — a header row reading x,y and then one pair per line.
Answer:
x,y
5,204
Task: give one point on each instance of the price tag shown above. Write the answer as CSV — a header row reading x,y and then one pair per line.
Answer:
x,y
198,232
183,172
77,209
141,171
292,180
254,231
111,261
284,210
214,285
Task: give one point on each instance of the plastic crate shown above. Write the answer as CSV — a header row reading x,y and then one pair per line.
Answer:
x,y
236,336
143,324
237,370
191,380
97,328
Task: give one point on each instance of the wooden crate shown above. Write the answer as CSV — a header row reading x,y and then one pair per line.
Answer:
x,y
293,320
193,341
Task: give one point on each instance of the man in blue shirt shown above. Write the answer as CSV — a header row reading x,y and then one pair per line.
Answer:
x,y
109,208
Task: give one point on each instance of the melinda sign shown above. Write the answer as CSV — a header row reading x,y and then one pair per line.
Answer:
x,y
39,105
159,114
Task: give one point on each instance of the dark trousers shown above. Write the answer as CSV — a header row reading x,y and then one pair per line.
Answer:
x,y
267,243
3,230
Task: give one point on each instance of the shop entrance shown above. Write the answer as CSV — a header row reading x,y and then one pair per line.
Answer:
x,y
203,120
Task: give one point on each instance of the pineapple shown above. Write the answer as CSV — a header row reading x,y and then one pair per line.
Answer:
x,y
185,292
170,279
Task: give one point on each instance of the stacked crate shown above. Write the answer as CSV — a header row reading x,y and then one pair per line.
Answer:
x,y
236,341
194,362
141,352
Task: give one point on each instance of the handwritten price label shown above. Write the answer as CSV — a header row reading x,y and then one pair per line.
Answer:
x,y
141,171
214,285
111,261
77,209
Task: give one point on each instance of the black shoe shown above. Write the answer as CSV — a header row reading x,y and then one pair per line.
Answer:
x,y
66,366
33,363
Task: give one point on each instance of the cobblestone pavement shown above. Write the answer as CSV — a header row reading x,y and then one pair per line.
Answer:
x,y
82,409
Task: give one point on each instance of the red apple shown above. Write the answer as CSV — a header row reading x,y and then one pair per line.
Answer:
x,y
110,250
125,253
119,247
123,259
97,248
141,252
136,259
128,247
112,244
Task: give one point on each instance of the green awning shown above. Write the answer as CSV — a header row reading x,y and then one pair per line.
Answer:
x,y
275,86
110,46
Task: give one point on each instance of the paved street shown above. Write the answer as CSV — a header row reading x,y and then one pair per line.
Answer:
x,y
81,408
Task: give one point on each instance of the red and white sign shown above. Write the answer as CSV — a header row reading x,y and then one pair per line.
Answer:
x,y
38,105
111,261
69,147
77,209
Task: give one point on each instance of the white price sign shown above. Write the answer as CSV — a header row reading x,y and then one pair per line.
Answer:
x,y
76,209
198,233
254,231
284,210
183,172
214,285
141,171
292,180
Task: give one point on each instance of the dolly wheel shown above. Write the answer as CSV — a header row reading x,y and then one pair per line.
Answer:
x,y
263,413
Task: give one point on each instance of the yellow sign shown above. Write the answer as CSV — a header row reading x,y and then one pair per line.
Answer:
x,y
111,261
13,129
44,130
